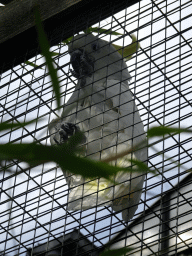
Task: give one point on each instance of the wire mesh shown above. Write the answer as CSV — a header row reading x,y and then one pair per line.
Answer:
x,y
33,204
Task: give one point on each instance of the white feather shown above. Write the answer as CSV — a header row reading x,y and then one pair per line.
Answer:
x,y
105,110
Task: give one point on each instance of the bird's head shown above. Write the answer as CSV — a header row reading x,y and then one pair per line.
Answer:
x,y
92,56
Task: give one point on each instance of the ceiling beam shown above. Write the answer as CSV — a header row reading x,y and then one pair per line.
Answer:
x,y
61,19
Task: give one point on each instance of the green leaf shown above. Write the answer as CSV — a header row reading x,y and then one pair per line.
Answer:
x,y
63,155
54,54
32,64
117,252
162,130
5,126
67,41
94,29
101,30
141,167
43,42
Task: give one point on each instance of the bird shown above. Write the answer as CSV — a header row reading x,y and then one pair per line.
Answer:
x,y
103,107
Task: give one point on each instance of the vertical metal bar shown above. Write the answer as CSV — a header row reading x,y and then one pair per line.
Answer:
x,y
165,227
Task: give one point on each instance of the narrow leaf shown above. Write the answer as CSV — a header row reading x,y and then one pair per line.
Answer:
x,y
162,130
67,41
101,30
94,29
64,156
54,54
32,64
5,126
116,252
43,42
141,167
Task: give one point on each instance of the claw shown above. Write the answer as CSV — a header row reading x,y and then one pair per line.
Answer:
x,y
64,131
68,128
56,141
74,73
83,59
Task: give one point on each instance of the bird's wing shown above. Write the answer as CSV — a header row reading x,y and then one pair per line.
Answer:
x,y
129,117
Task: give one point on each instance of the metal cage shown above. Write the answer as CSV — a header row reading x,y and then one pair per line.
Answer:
x,y
34,219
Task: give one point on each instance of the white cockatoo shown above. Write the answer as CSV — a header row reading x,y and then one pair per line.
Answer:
x,y
103,107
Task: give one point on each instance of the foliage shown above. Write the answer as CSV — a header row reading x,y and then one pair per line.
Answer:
x,y
43,42
117,252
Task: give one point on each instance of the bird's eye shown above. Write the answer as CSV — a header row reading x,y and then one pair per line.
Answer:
x,y
94,46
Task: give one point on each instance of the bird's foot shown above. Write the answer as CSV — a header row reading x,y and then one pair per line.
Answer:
x,y
64,131
74,73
